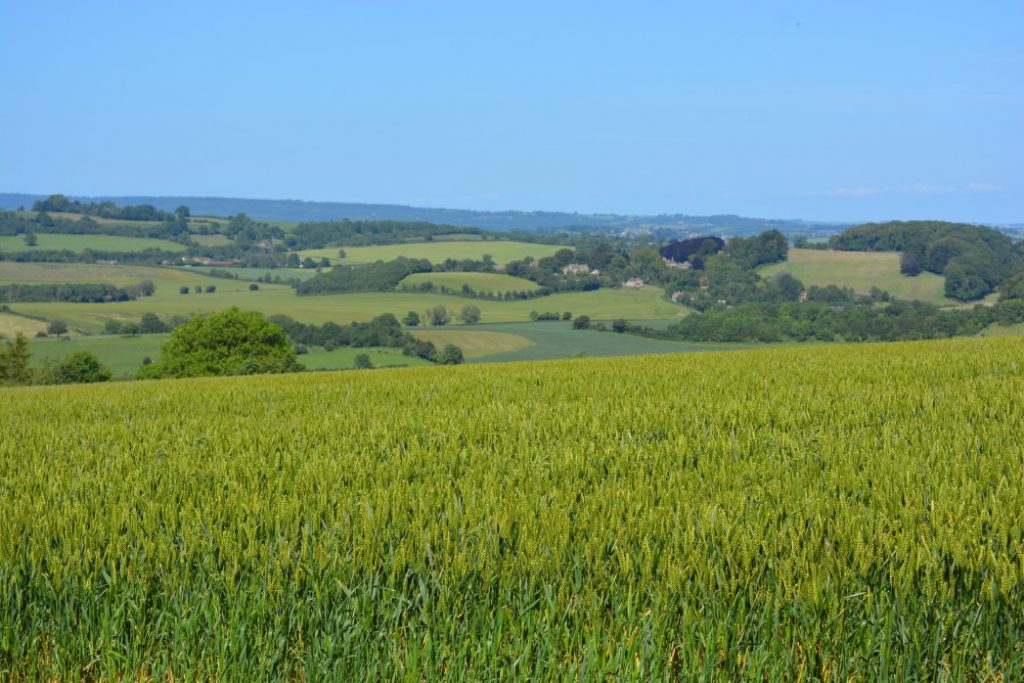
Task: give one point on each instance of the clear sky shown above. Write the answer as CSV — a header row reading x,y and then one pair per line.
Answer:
x,y
820,110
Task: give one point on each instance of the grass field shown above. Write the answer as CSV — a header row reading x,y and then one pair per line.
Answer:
x,y
860,271
253,274
475,343
344,358
833,513
480,282
78,243
557,339
997,330
11,325
604,304
210,240
123,355
437,251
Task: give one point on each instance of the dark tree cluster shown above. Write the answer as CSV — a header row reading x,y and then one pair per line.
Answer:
x,y
759,322
384,330
682,251
364,233
141,212
372,277
73,292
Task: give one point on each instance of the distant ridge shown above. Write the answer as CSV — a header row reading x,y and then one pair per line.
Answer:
x,y
527,221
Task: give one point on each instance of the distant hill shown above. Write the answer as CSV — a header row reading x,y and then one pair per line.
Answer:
x,y
530,221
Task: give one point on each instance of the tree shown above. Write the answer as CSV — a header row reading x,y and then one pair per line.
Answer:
x,y
14,362
152,324
183,289
470,314
30,239
182,212
57,327
231,342
581,322
450,355
411,319
566,315
619,326
131,329
210,289
363,362
81,367
112,327
253,287
292,260
438,315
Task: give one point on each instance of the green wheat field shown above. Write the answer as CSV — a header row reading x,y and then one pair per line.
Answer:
x,y
825,513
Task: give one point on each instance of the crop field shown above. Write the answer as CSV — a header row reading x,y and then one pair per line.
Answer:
x,y
860,271
823,513
11,325
78,243
436,251
557,339
480,282
603,304
473,342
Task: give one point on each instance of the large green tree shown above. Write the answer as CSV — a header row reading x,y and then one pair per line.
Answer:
x,y
14,361
231,342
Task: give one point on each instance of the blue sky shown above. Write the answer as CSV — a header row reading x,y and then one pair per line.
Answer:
x,y
817,110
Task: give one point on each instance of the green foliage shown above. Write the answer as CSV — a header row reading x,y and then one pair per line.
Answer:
x,y
382,276
438,315
57,327
77,292
14,361
363,233
80,367
974,259
411,319
232,342
816,514
581,322
470,314
450,355
362,362
768,247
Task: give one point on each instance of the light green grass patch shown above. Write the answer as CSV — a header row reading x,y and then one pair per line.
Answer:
x,y
860,271
254,274
480,282
123,355
344,358
210,240
78,243
11,324
997,330
474,343
502,251
558,339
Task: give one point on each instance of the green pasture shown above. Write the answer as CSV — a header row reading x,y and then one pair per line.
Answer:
x,y
860,271
480,282
502,251
78,243
603,304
